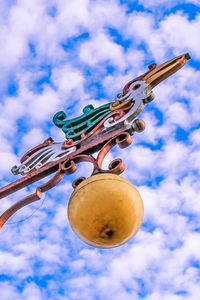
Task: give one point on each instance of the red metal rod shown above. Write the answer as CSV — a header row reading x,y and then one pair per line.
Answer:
x,y
89,146
31,198
29,179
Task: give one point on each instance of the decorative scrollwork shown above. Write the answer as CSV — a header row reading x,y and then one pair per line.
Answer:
x,y
97,129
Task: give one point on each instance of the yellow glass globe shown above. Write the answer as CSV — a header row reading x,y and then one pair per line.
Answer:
x,y
105,210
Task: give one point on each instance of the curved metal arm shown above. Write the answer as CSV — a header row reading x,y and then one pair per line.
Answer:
x,y
31,198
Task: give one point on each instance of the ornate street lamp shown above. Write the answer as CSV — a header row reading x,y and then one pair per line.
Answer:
x,y
105,210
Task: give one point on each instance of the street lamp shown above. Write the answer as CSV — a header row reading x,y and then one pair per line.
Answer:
x,y
105,210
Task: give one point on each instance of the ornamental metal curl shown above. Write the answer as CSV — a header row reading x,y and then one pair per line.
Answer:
x,y
96,130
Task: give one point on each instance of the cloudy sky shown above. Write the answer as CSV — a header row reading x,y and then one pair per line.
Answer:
x,y
62,55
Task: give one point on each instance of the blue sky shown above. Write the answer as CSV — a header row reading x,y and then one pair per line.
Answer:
x,y
62,55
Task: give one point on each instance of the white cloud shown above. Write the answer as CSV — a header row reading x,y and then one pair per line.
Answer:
x,y
67,79
32,292
8,291
101,49
160,38
10,264
195,137
7,161
178,114
33,138
43,106
185,37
